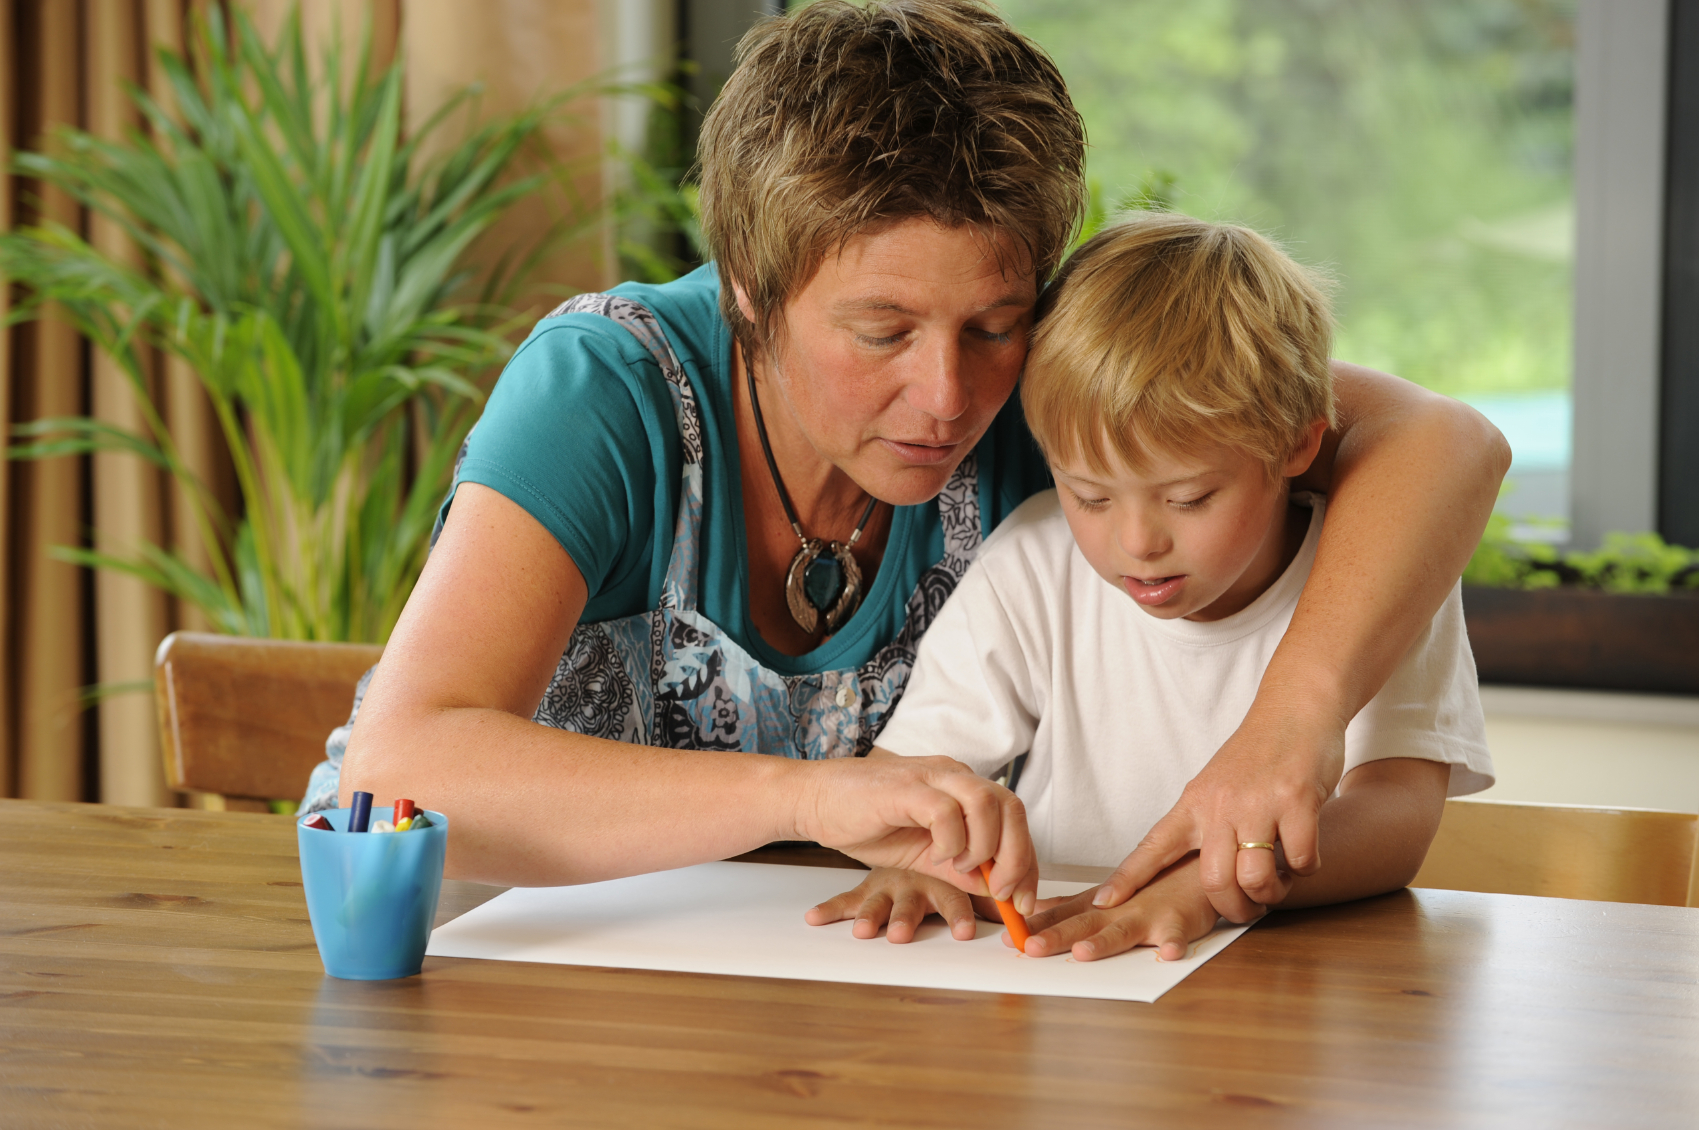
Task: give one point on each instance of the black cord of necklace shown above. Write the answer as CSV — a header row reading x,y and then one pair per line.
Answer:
x,y
773,466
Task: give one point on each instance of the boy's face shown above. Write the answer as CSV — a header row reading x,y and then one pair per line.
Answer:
x,y
1197,537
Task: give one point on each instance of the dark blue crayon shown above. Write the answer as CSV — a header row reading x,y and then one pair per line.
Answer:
x,y
360,812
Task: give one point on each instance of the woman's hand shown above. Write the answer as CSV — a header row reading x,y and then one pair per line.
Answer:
x,y
898,900
1169,913
933,815
1267,784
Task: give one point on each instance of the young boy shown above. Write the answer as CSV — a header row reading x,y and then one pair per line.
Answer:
x,y
1114,631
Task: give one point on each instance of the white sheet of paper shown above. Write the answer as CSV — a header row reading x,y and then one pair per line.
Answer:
x,y
745,919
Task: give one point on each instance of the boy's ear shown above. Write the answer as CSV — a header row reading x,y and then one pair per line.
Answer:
x,y
1306,452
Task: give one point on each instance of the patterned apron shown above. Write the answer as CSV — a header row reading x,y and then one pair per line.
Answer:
x,y
673,678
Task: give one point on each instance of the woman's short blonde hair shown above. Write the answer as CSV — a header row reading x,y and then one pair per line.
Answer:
x,y
1171,333
843,119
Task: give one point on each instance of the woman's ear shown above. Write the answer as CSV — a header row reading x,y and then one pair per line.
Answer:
x,y
744,306
1306,452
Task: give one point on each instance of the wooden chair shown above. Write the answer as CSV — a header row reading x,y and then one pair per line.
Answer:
x,y
243,721
1561,851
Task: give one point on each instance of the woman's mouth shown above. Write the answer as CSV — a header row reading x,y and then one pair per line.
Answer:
x,y
1156,590
922,454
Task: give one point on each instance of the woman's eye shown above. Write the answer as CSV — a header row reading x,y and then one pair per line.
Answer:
x,y
994,338
878,342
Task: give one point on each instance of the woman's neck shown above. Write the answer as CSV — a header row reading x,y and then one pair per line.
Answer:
x,y
828,504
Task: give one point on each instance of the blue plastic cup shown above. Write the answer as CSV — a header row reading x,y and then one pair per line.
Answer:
x,y
372,896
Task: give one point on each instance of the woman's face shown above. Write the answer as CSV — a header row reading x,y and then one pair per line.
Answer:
x,y
897,354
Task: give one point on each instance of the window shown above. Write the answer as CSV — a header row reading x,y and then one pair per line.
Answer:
x,y
1420,153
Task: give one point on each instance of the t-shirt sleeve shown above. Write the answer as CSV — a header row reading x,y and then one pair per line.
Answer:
x,y
975,693
579,431
1430,707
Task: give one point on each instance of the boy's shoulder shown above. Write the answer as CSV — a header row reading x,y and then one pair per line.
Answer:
x,y
1035,528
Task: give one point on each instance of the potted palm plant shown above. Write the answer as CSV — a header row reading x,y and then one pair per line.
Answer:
x,y
306,257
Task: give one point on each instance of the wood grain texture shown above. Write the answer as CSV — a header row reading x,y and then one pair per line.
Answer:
x,y
157,969
248,717
1565,851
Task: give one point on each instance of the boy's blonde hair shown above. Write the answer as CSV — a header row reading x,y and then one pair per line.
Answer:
x,y
842,119
1167,332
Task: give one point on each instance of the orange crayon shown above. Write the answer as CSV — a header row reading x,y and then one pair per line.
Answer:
x,y
1011,917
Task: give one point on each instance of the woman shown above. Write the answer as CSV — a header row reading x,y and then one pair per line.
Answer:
x,y
715,515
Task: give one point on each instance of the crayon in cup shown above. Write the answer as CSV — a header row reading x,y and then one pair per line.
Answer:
x,y
317,821
360,812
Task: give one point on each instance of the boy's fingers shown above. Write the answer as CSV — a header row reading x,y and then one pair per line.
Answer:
x,y
835,909
1169,938
1116,934
1062,936
907,912
1165,844
1058,910
874,913
957,910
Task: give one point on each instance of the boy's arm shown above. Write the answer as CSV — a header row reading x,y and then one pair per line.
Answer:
x,y
1411,478
1376,833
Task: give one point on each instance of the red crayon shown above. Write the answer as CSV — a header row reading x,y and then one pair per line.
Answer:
x,y
317,821
404,809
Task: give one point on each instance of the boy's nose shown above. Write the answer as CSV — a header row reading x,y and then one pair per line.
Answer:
x,y
1144,541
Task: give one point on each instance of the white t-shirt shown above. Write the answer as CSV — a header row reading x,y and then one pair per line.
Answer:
x,y
1035,653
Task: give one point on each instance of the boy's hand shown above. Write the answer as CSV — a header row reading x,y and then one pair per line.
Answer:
x,y
902,899
1265,785
928,814
1169,913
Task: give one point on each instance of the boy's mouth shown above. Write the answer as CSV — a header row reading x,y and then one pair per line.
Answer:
x,y
1157,590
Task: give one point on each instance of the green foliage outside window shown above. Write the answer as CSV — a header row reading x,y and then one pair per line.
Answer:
x,y
1625,563
1421,152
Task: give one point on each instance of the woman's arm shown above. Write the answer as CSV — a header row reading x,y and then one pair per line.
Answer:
x,y
1377,831
1411,478
447,720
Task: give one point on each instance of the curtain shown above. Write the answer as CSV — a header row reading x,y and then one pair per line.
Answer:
x,y
65,631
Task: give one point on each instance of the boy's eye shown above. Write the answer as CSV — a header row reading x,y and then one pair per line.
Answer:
x,y
1193,503
1088,503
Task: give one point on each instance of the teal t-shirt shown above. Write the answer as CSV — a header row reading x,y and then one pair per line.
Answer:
x,y
580,431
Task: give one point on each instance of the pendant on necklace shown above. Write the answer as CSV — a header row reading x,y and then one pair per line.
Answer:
x,y
823,585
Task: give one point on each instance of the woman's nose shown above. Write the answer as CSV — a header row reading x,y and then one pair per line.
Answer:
x,y
938,387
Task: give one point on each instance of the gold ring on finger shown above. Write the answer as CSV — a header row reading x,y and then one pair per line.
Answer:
x,y
1248,845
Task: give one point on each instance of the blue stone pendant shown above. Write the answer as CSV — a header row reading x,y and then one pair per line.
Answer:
x,y
823,586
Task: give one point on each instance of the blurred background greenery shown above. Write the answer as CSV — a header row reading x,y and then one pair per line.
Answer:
x,y
1419,152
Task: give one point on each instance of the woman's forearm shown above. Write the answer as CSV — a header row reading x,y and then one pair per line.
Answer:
x,y
533,806
1411,485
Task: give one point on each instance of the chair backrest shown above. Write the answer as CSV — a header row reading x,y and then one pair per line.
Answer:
x,y
1562,851
241,717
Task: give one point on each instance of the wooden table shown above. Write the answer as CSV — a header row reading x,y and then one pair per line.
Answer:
x,y
157,969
